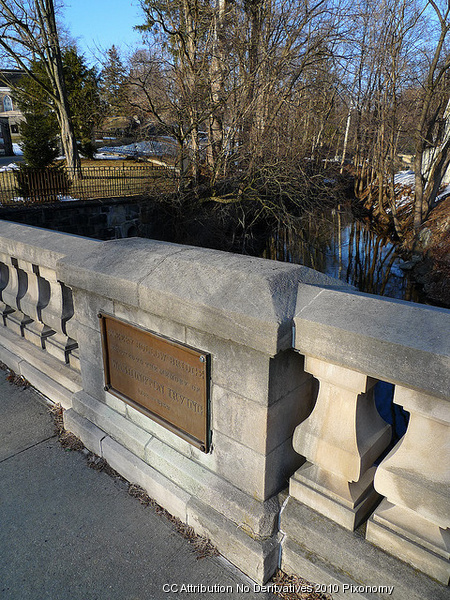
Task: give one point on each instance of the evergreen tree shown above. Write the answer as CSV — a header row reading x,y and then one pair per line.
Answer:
x,y
113,83
84,98
39,130
39,137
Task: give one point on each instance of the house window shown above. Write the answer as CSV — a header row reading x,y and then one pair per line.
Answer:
x,y
7,104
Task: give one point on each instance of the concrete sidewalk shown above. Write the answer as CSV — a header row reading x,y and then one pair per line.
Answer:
x,y
68,532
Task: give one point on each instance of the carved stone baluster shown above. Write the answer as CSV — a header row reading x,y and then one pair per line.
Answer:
x,y
13,293
5,268
413,521
57,314
341,439
35,297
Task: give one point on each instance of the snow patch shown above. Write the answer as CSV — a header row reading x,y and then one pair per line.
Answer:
x,y
405,178
10,167
150,148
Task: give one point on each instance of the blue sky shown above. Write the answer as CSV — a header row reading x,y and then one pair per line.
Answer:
x,y
98,24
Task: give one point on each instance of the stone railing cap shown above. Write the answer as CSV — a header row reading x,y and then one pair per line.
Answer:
x,y
249,300
392,340
40,246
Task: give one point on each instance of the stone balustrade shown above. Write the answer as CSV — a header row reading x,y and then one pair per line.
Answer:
x,y
350,341
294,358
35,304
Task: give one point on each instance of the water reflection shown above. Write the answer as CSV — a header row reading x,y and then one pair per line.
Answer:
x,y
339,245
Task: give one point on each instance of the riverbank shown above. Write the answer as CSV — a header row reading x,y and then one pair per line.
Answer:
x,y
432,270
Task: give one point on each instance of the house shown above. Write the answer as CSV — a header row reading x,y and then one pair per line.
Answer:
x,y
10,115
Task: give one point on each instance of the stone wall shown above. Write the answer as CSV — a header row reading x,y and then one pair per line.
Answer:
x,y
292,477
100,219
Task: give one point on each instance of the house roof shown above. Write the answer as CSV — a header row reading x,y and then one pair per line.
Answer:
x,y
10,77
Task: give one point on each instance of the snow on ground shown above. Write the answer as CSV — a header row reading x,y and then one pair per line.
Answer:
x,y
405,183
405,178
105,156
445,192
150,148
10,167
17,150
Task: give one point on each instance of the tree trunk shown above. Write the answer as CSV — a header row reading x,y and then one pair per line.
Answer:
x,y
215,147
68,140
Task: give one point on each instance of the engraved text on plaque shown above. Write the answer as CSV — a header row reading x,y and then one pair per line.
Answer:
x,y
165,380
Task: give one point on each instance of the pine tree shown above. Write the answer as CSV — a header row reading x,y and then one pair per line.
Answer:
x,y
84,98
113,83
39,130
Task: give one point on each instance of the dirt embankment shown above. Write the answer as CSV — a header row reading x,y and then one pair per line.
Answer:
x,y
433,272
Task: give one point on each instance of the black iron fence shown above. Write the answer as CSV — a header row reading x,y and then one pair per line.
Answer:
x,y
62,183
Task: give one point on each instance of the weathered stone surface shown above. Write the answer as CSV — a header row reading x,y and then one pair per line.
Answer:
x,y
123,431
48,386
322,575
53,379
268,426
87,307
40,246
416,473
346,503
400,342
257,558
158,487
105,269
85,430
341,439
10,359
411,538
414,520
248,300
235,367
259,475
253,516
146,320
314,542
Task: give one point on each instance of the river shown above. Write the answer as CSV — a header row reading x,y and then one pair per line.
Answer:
x,y
338,244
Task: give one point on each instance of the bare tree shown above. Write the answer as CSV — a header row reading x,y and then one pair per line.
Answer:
x,y
433,102
28,32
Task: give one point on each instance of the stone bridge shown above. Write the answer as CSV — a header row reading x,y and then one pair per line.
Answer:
x,y
274,448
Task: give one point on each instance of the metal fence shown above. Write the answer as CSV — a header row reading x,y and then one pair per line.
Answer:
x,y
62,184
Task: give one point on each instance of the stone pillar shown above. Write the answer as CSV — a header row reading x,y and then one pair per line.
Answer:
x,y
341,439
413,521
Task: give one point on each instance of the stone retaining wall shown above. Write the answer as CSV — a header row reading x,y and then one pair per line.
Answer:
x,y
101,219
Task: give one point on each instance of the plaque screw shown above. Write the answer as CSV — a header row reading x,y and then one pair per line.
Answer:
x,y
99,315
202,359
106,388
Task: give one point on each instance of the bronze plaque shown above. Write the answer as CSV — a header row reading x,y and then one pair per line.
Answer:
x,y
165,380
